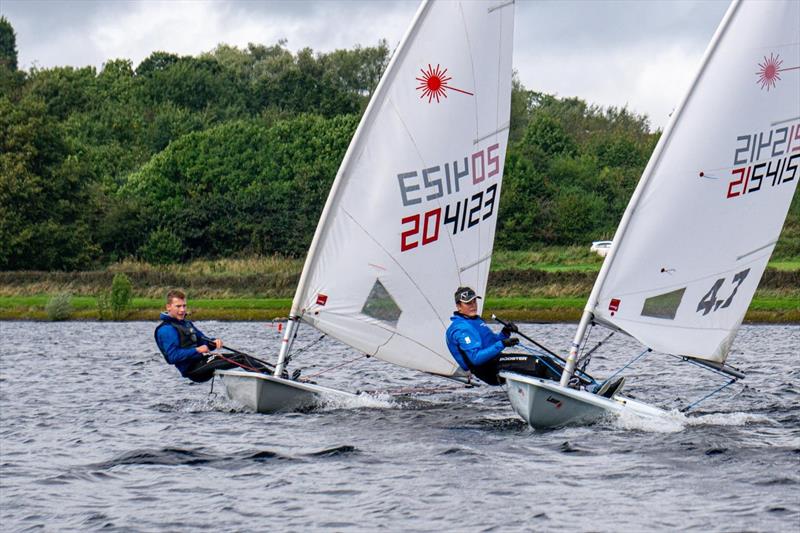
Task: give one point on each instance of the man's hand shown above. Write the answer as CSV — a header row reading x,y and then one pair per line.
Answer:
x,y
202,349
212,344
511,341
510,328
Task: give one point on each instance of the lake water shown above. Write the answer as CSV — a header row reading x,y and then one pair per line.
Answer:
x,y
99,433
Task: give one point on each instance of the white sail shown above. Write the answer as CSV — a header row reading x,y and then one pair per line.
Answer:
x,y
708,211
412,212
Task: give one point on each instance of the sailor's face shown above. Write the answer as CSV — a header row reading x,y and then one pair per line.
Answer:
x,y
177,308
468,308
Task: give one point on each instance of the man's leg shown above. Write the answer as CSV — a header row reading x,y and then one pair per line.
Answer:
x,y
204,370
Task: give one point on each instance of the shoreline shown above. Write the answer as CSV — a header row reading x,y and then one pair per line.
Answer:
x,y
544,310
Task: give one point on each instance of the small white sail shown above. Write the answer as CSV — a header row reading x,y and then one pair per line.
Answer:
x,y
412,212
705,218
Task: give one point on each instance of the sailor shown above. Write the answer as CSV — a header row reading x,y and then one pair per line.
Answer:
x,y
478,349
184,345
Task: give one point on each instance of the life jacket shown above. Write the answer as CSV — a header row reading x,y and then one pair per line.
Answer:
x,y
187,335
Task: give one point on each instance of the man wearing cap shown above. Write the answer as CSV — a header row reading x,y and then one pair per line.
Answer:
x,y
474,346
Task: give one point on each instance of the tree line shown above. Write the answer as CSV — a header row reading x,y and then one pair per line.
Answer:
x,y
232,153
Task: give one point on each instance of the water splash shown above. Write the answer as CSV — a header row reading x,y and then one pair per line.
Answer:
x,y
729,419
361,401
670,422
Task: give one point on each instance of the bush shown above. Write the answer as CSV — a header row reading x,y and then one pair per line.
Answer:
x,y
59,307
163,247
103,306
121,296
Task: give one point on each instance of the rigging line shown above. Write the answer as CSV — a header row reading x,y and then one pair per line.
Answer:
x,y
289,357
709,395
474,263
501,6
778,123
585,341
648,350
757,250
501,129
471,64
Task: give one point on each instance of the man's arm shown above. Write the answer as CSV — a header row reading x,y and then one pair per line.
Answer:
x,y
470,344
170,343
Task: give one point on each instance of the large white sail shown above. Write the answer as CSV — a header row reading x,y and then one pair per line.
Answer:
x,y
412,212
705,218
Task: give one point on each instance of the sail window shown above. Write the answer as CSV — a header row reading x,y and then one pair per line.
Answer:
x,y
381,306
664,305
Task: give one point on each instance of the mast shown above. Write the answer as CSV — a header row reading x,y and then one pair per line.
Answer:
x,y
588,311
295,315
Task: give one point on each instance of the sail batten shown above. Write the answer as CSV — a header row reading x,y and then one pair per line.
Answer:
x,y
417,193
700,228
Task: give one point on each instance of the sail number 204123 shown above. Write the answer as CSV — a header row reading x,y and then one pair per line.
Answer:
x,y
477,173
421,229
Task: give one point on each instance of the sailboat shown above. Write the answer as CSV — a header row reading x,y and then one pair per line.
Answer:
x,y
412,211
704,219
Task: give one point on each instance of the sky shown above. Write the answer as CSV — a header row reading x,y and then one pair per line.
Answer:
x,y
636,53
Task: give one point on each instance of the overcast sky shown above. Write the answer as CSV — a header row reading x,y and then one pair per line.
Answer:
x,y
639,53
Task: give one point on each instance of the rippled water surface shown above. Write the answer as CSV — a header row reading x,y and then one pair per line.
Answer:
x,y
99,433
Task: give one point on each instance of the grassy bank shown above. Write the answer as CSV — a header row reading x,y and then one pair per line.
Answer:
x,y
549,285
566,309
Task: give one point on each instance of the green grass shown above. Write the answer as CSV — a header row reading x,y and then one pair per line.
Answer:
x,y
566,309
88,302
786,265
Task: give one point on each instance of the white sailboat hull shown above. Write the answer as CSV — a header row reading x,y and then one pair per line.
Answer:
x,y
545,404
269,394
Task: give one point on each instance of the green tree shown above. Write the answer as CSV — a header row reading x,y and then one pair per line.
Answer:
x,y
8,45
241,187
43,196
121,296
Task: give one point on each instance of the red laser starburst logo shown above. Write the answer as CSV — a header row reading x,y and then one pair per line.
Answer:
x,y
769,71
434,84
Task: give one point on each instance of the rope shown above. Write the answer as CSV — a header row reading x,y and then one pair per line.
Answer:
x,y
648,350
709,395
712,393
289,357
237,363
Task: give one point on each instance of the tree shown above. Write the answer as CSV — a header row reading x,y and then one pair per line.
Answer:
x,y
8,45
43,197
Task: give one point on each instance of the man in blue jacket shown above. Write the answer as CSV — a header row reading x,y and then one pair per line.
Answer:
x,y
184,345
478,349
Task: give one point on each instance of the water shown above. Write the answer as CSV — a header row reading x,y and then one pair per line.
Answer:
x,y
99,433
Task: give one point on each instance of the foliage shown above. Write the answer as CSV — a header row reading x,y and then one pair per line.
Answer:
x,y
8,45
43,193
59,307
103,304
121,296
232,153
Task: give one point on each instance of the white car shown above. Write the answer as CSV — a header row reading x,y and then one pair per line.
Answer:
x,y
601,248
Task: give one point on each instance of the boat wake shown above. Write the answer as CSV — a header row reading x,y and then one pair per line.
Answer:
x,y
209,403
671,422
728,419
675,421
361,401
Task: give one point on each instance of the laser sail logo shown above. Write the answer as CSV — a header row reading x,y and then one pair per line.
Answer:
x,y
434,84
769,71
